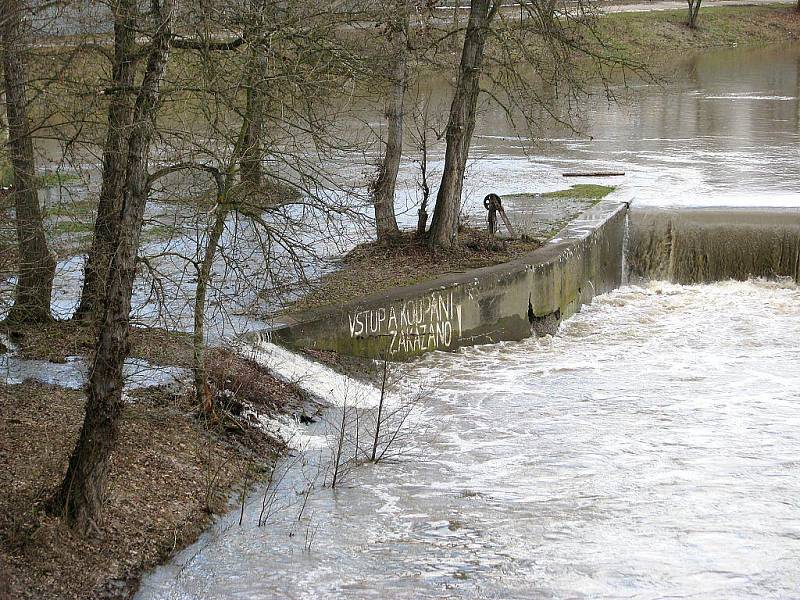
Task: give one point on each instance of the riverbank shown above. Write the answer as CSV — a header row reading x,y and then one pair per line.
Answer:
x,y
173,470
654,36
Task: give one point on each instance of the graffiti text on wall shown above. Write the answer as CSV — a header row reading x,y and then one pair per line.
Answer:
x,y
427,323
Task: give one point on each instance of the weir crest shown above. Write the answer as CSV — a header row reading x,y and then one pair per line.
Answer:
x,y
604,248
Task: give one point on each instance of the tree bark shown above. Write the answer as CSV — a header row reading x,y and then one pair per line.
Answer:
x,y
37,264
115,149
460,125
383,192
203,279
253,152
251,170
694,8
82,494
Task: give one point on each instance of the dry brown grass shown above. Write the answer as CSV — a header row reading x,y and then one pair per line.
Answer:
x,y
158,496
407,260
169,474
56,340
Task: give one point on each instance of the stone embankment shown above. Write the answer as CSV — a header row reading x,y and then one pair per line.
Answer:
x,y
511,301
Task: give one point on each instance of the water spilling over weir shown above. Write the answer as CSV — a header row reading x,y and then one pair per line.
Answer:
x,y
603,248
646,447
703,245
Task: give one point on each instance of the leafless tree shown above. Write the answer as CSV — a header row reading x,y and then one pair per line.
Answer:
x,y
397,25
81,496
36,262
694,8
291,68
427,129
444,225
115,153
534,64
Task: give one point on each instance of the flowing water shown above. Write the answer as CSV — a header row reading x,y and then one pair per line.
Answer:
x,y
723,131
648,450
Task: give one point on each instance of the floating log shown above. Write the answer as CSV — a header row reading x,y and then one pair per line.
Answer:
x,y
594,174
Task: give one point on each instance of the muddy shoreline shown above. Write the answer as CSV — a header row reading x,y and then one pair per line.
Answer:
x,y
174,471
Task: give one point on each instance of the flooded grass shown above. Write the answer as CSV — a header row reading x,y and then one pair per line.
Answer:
x,y
45,180
582,191
58,340
655,36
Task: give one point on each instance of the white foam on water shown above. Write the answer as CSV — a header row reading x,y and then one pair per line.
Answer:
x,y
323,382
649,449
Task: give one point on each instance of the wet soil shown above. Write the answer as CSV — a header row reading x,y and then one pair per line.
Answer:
x,y
173,469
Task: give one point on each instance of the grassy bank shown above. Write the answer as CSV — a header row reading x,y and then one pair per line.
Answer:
x,y
655,37
172,470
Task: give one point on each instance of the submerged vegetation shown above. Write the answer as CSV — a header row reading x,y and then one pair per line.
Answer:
x,y
585,191
45,180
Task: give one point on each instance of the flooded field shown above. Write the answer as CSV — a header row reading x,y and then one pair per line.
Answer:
x,y
723,131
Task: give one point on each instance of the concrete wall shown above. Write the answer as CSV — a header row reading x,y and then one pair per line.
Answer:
x,y
511,301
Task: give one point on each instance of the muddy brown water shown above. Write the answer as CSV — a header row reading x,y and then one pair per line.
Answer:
x,y
647,450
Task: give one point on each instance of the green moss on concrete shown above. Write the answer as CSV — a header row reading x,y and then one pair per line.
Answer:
x,y
582,191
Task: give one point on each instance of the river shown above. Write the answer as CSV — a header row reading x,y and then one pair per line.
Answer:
x,y
648,450
725,131
704,137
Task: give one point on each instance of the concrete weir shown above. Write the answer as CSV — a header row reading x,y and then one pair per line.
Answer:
x,y
511,301
702,245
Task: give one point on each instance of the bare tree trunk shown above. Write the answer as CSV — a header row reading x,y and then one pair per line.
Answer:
x,y
694,8
253,154
424,185
383,193
37,264
115,153
422,213
198,339
82,493
252,157
444,225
